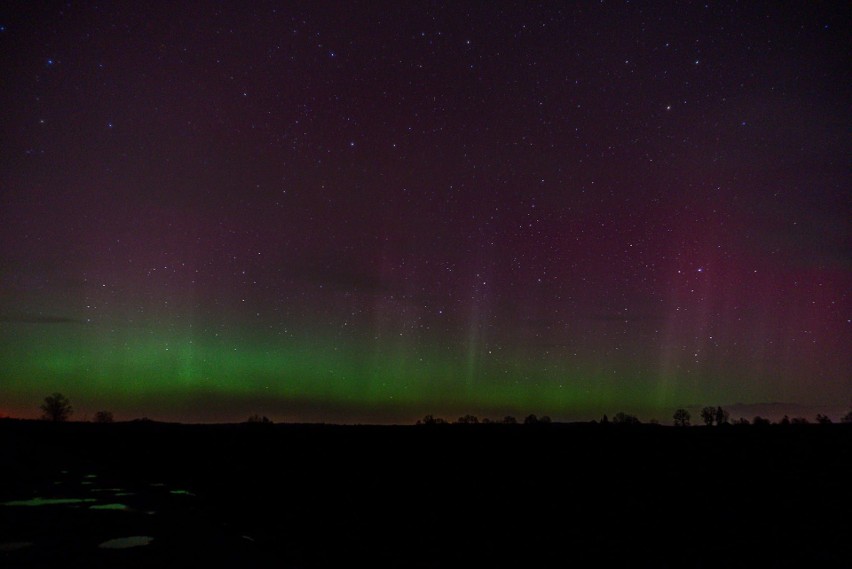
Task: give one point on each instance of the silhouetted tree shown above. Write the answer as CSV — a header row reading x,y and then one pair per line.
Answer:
x,y
103,417
741,421
509,420
721,416
799,421
530,420
485,421
56,408
785,420
604,420
258,420
760,421
708,415
625,419
681,418
544,420
823,419
847,418
427,420
468,420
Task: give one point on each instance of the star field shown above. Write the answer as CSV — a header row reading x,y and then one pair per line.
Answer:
x,y
368,212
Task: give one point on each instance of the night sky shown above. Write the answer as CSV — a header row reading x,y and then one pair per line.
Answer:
x,y
370,211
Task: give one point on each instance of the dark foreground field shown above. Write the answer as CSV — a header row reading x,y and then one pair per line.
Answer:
x,y
436,496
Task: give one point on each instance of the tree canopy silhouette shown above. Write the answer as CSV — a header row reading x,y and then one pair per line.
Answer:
x,y
681,418
708,415
56,407
468,420
103,417
625,419
258,420
431,420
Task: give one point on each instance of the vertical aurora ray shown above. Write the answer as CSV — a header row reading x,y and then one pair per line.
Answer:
x,y
165,370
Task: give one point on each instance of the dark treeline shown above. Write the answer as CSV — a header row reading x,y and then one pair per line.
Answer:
x,y
710,416
58,408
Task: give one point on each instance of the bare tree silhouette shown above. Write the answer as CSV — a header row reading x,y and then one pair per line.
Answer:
x,y
625,419
258,420
103,417
56,407
708,415
823,419
509,420
681,418
431,420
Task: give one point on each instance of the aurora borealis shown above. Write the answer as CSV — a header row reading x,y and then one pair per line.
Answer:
x,y
365,212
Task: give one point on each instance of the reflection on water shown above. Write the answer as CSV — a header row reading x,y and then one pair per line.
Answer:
x,y
109,507
126,542
48,501
10,546
100,498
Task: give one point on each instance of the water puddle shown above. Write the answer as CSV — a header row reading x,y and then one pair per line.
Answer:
x,y
11,546
127,542
48,502
120,507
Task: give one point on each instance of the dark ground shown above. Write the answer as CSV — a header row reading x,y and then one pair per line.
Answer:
x,y
430,496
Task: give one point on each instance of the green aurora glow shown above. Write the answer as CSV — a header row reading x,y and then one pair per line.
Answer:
x,y
177,376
